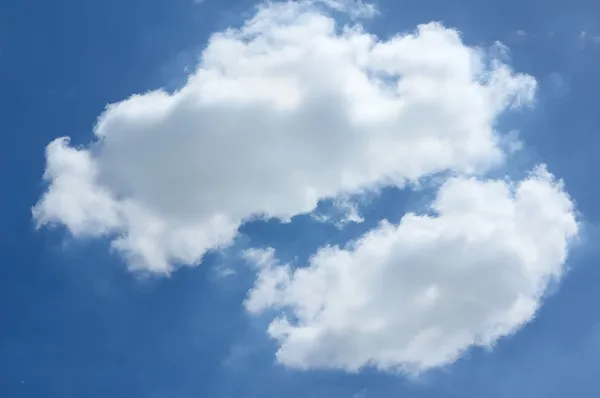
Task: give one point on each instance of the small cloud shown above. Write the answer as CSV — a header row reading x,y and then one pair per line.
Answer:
x,y
360,394
558,84
354,8
225,272
585,38
343,212
521,34
511,142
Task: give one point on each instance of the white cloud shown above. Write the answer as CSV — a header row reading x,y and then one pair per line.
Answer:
x,y
290,109
343,212
280,113
521,33
416,295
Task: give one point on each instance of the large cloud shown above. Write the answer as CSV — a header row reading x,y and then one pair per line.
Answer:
x,y
285,111
416,295
291,109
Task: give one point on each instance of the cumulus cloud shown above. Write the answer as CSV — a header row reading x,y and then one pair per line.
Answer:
x,y
282,112
416,295
293,108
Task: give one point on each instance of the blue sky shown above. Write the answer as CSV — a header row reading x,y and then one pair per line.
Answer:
x,y
75,321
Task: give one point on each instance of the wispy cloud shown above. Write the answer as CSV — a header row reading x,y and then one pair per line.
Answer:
x,y
586,37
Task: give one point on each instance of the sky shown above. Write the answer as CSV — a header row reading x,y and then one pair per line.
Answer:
x,y
327,198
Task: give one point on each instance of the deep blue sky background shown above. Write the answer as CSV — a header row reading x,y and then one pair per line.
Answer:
x,y
75,323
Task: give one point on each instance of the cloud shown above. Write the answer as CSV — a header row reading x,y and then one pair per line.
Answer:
x,y
585,38
354,8
416,295
520,33
559,84
287,110
293,108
